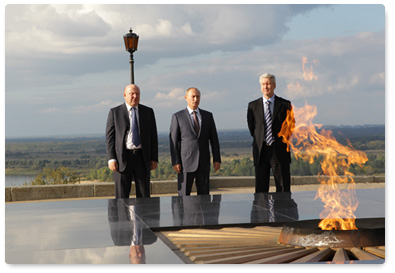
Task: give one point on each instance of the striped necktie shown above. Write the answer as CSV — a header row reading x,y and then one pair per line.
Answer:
x,y
268,119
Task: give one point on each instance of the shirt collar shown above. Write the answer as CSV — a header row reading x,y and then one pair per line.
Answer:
x,y
128,107
271,99
190,111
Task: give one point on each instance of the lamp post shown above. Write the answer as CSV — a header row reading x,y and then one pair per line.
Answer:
x,y
131,40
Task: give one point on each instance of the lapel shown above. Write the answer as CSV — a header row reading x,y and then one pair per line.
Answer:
x,y
141,120
203,121
259,111
125,115
276,106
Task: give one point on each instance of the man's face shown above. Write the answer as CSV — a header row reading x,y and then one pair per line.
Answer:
x,y
267,87
193,98
132,95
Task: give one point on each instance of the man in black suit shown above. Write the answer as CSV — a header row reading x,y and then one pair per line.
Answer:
x,y
132,144
265,117
191,131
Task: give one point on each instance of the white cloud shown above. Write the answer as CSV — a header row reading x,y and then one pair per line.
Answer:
x,y
378,78
57,29
220,49
174,97
49,110
85,28
99,107
175,94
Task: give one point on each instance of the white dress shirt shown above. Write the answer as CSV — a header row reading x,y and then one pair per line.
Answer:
x,y
199,117
271,104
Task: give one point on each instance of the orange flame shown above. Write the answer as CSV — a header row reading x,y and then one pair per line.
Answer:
x,y
308,144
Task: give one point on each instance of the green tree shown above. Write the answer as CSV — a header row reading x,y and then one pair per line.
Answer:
x,y
61,175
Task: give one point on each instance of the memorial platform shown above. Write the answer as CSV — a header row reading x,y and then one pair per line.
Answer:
x,y
122,231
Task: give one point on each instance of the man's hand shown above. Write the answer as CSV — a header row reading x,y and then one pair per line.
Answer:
x,y
217,166
154,165
113,166
177,168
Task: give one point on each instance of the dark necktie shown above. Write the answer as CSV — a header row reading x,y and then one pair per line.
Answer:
x,y
268,119
196,123
135,128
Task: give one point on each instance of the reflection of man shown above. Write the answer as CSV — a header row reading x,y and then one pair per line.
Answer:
x,y
195,210
137,250
129,225
191,130
132,144
265,117
137,254
274,207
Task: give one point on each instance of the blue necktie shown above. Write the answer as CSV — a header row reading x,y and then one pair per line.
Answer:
x,y
268,119
135,128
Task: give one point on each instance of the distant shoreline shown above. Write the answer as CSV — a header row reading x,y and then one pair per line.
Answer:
x,y
164,133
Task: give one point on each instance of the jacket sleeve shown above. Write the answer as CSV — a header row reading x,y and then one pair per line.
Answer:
x,y
215,148
174,137
250,119
110,137
154,138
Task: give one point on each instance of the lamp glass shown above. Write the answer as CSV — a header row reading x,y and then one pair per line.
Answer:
x,y
131,42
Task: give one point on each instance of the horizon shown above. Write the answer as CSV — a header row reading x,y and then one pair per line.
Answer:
x,y
164,133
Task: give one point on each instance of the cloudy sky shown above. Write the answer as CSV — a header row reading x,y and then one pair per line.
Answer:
x,y
66,65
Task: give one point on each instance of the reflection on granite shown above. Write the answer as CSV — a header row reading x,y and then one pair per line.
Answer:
x,y
128,228
119,231
277,207
196,210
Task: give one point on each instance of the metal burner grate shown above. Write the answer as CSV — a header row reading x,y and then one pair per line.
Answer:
x,y
257,245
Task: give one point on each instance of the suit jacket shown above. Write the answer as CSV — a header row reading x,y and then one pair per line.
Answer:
x,y
117,126
189,149
256,125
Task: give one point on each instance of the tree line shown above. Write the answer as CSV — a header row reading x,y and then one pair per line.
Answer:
x,y
243,166
85,158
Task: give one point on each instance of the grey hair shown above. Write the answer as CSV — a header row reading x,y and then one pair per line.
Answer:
x,y
268,76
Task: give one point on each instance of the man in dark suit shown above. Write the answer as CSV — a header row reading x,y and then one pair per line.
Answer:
x,y
265,117
132,144
191,131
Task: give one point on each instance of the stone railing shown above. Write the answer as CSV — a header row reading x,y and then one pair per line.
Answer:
x,y
103,190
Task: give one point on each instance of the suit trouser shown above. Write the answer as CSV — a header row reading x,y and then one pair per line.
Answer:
x,y
202,180
281,172
135,170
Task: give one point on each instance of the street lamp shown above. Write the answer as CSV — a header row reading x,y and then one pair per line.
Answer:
x,y
131,40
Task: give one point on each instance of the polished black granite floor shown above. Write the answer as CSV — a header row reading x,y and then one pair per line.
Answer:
x,y
118,231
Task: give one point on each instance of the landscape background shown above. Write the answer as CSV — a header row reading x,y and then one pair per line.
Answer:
x,y
86,156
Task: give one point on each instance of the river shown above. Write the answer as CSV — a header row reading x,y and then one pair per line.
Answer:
x,y
17,180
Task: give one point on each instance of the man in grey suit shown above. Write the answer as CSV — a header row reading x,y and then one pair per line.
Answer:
x,y
132,144
191,131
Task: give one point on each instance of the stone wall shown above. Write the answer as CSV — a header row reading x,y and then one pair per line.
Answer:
x,y
102,190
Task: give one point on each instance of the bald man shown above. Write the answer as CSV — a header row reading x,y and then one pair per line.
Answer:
x,y
132,144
